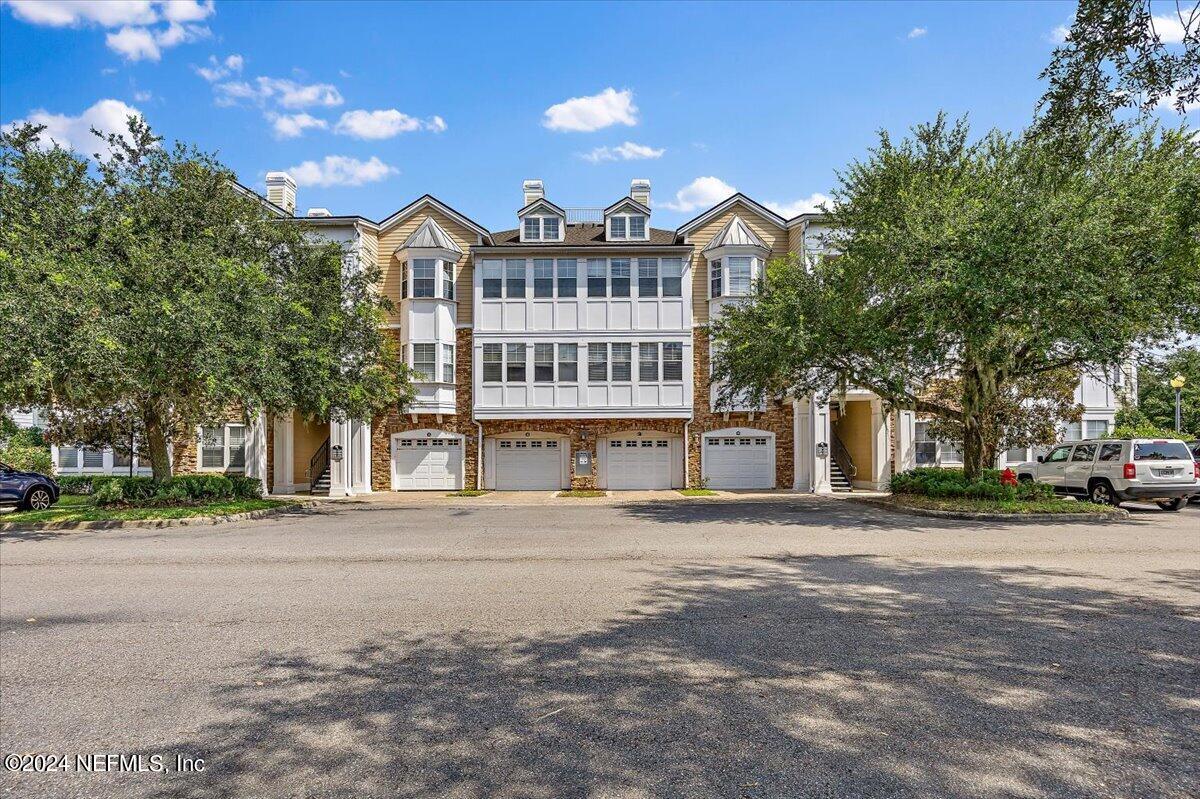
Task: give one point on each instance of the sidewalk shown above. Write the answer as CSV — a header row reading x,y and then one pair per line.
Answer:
x,y
410,499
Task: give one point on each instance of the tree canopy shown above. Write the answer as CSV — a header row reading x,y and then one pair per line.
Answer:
x,y
150,290
989,262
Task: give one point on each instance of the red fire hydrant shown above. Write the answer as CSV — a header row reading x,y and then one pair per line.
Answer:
x,y
1008,477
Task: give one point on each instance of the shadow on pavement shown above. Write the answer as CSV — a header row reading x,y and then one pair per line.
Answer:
x,y
809,676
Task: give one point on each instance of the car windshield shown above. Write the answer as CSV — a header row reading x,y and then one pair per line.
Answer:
x,y
1161,451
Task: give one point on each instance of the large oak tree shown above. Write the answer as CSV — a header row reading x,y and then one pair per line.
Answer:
x,y
990,263
146,290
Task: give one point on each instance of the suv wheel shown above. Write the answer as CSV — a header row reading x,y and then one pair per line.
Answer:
x,y
37,499
1172,504
1102,493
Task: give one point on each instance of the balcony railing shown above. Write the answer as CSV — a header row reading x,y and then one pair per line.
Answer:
x,y
585,216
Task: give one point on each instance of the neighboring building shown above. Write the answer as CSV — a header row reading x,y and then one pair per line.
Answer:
x,y
566,352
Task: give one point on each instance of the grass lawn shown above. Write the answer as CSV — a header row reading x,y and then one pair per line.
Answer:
x,y
72,508
582,494
697,492
468,492
1016,507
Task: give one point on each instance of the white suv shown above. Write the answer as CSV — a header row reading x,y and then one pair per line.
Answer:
x,y
1111,472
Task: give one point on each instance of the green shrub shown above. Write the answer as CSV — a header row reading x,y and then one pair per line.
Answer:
x,y
246,487
1029,490
26,458
1144,430
203,487
108,493
78,484
940,483
184,489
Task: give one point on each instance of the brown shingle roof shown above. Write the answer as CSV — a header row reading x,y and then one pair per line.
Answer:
x,y
582,235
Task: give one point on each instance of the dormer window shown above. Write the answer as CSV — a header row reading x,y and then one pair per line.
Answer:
x,y
637,227
533,228
541,228
617,227
627,227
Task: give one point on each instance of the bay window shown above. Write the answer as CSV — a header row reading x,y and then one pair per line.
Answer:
x,y
493,363
424,277
543,363
566,277
714,279
672,360
424,361
515,363
648,362
514,278
620,277
447,363
404,280
493,279
568,363
622,356
739,275
543,277
447,280
597,362
672,277
647,277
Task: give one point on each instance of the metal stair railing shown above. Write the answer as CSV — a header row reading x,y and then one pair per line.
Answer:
x,y
319,463
841,456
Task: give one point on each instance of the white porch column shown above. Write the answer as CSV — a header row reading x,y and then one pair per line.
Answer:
x,y
812,430
256,450
360,457
341,471
881,465
284,453
906,441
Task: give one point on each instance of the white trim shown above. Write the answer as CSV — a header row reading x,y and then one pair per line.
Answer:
x,y
430,200
225,448
722,206
427,433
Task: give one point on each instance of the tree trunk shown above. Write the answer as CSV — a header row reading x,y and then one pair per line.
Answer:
x,y
979,387
156,442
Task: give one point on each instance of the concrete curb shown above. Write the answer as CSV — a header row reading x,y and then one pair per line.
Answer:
x,y
1112,515
117,524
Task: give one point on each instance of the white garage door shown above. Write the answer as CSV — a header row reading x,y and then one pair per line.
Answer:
x,y
524,464
745,461
427,464
639,463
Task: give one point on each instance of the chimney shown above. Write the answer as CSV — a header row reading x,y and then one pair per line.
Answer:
x,y
639,189
318,212
533,191
281,190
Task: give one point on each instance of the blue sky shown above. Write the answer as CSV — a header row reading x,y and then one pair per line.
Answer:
x,y
374,104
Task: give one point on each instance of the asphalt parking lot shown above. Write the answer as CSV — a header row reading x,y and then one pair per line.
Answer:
x,y
785,648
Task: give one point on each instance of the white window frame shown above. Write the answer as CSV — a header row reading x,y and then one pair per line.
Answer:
x,y
448,362
540,220
225,466
432,375
626,231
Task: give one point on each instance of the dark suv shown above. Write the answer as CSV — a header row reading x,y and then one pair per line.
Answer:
x,y
26,490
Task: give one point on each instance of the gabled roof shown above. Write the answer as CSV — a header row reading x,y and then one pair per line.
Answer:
x,y
533,206
626,201
430,235
270,207
720,208
736,233
428,200
810,216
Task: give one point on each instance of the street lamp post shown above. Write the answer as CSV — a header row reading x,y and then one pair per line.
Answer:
x,y
1177,383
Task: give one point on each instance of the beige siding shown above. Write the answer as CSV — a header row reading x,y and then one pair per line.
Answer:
x,y
393,237
771,233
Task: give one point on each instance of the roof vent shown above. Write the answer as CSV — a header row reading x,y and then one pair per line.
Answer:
x,y
319,212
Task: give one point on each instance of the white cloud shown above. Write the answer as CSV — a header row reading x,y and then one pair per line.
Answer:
x,y
106,116
1059,34
143,96
609,107
917,33
289,126
134,44
384,124
1167,103
806,205
700,193
1169,28
135,39
340,170
281,91
217,70
622,152
107,13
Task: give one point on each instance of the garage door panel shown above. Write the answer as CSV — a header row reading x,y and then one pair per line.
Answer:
x,y
638,463
745,461
528,464
427,464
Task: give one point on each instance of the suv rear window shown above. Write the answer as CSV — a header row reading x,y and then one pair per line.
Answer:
x,y
1161,451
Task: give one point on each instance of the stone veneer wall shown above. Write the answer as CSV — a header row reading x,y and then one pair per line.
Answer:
x,y
777,419
384,426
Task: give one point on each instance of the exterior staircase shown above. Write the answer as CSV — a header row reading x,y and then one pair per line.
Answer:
x,y
837,478
318,471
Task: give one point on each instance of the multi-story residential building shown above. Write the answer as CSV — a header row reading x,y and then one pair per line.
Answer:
x,y
569,351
